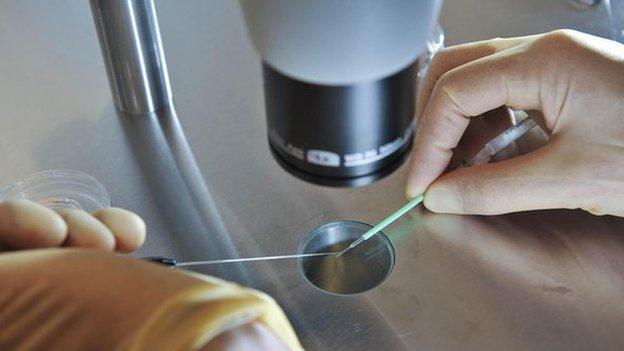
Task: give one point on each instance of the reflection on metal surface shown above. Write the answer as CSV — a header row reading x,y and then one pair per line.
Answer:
x,y
133,54
359,270
170,170
615,12
584,4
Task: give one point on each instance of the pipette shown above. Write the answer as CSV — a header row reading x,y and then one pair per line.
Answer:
x,y
168,261
384,223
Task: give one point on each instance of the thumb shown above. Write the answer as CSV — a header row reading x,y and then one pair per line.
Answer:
x,y
529,182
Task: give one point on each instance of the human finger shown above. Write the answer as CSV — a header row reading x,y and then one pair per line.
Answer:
x,y
529,182
84,230
127,228
455,56
25,224
505,78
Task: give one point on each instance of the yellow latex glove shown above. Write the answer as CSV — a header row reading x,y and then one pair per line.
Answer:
x,y
26,225
78,299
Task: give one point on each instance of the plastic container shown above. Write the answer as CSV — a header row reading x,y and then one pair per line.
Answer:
x,y
60,189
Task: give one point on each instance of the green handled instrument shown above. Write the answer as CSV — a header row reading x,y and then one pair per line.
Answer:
x,y
384,223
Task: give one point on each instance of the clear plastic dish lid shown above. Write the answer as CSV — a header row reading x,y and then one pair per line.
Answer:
x,y
60,189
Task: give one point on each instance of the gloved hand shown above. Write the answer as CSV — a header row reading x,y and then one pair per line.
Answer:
x,y
76,299
575,82
69,299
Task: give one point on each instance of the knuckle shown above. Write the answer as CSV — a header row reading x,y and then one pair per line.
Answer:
x,y
561,38
438,61
448,90
494,44
563,34
448,84
557,48
446,80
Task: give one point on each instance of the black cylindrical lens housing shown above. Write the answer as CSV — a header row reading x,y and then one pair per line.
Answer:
x,y
340,135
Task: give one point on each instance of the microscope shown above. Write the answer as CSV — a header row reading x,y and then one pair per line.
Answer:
x,y
339,77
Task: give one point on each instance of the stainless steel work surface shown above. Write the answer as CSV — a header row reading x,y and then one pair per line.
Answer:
x,y
533,281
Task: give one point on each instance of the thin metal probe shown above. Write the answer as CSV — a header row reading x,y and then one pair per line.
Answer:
x,y
173,263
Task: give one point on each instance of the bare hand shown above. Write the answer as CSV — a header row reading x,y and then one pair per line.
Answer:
x,y
575,80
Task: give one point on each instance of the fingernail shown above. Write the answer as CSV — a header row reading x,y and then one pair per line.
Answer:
x,y
412,191
443,199
413,188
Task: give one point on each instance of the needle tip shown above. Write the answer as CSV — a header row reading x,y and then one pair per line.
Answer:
x,y
351,246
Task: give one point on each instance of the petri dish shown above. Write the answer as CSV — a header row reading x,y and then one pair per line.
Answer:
x,y
359,270
60,189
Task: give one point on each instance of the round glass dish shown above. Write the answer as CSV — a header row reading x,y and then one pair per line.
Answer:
x,y
60,189
358,270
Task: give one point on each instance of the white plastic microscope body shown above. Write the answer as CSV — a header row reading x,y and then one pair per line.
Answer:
x,y
339,42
